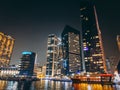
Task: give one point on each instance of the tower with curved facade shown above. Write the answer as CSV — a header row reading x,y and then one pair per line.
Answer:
x,y
94,59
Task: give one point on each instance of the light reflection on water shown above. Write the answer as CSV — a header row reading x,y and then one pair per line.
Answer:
x,y
51,85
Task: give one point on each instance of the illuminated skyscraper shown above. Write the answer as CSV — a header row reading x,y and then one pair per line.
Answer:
x,y
71,50
27,63
60,58
118,41
52,55
94,58
6,49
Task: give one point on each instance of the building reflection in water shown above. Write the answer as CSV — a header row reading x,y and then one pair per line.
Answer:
x,y
51,85
24,85
84,86
3,85
12,85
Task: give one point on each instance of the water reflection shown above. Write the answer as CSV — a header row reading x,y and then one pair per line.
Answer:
x,y
24,85
51,85
3,85
84,86
11,85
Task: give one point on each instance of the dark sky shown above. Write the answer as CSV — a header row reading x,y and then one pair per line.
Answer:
x,y
30,22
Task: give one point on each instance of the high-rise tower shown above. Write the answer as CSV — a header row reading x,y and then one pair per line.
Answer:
x,y
118,41
71,50
27,63
94,58
52,55
6,49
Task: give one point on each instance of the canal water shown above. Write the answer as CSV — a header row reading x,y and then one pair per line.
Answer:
x,y
53,85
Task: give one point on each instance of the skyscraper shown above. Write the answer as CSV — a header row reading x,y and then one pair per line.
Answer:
x,y
71,50
6,49
118,41
94,58
60,58
27,63
52,55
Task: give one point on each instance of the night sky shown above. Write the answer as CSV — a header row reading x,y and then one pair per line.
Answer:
x,y
30,22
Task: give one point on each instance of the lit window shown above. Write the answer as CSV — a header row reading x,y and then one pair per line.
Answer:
x,y
96,37
88,31
81,15
86,18
82,8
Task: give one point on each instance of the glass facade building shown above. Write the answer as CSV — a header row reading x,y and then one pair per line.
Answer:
x,y
94,58
52,55
71,51
6,49
27,64
118,41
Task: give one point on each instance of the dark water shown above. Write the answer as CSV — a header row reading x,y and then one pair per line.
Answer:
x,y
51,85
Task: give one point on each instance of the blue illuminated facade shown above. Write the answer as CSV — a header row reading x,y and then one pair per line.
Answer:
x,y
25,52
27,64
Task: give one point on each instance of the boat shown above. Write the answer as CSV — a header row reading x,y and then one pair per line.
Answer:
x,y
102,79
